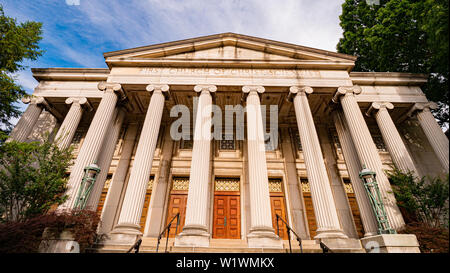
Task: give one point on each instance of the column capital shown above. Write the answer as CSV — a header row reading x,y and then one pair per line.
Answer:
x,y
157,87
205,87
294,90
104,86
343,90
377,106
421,106
81,100
253,88
33,100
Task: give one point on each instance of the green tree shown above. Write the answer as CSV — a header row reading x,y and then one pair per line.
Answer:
x,y
18,42
424,200
32,179
401,36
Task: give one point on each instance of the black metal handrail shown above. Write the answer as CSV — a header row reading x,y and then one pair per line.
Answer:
x,y
325,249
136,246
289,229
168,231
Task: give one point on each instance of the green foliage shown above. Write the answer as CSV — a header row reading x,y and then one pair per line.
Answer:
x,y
18,42
425,199
32,178
401,36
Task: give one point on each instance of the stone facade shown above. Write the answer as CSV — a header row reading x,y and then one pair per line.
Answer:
x,y
330,122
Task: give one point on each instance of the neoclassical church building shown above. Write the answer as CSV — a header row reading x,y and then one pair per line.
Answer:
x,y
330,124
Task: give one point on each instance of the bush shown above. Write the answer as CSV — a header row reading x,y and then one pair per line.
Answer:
x,y
25,236
431,240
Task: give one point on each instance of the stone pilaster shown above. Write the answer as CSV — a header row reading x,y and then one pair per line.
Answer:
x,y
28,119
367,151
327,220
395,145
112,199
433,131
195,230
105,158
128,227
261,233
154,221
69,126
93,141
353,168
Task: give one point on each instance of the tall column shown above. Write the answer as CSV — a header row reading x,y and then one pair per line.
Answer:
x,y
105,158
295,197
28,119
112,199
353,168
93,141
128,227
395,145
367,151
433,131
261,233
69,126
324,207
155,212
195,230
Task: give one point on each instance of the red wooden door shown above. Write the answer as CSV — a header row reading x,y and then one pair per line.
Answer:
x,y
227,216
177,204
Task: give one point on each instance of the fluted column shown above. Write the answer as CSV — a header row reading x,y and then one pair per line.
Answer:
x,y
69,126
261,231
128,226
395,145
324,207
28,119
93,141
105,157
367,151
354,167
433,131
112,199
154,221
195,230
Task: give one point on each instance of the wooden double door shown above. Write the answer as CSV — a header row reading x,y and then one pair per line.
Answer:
x,y
227,215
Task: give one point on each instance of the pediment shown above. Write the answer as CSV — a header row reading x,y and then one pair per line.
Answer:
x,y
228,46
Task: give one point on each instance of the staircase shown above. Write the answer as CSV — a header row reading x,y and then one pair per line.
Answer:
x,y
148,245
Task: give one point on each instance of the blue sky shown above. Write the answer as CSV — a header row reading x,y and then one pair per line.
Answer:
x,y
78,35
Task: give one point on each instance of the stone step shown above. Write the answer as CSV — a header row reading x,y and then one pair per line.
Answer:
x,y
149,245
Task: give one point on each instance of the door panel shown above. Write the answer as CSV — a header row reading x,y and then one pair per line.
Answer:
x,y
148,194
356,214
177,204
310,216
278,207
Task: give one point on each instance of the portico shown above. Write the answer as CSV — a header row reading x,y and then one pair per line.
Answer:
x,y
330,122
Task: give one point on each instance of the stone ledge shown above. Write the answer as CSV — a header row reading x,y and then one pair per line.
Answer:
x,y
391,243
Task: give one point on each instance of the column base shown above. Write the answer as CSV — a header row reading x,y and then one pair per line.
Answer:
x,y
263,237
193,236
124,234
340,245
329,234
391,243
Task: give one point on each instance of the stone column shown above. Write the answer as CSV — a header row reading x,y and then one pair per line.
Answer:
x,y
261,233
195,230
93,141
295,196
28,119
354,167
327,220
395,145
128,227
69,126
367,151
115,189
105,158
433,131
155,212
